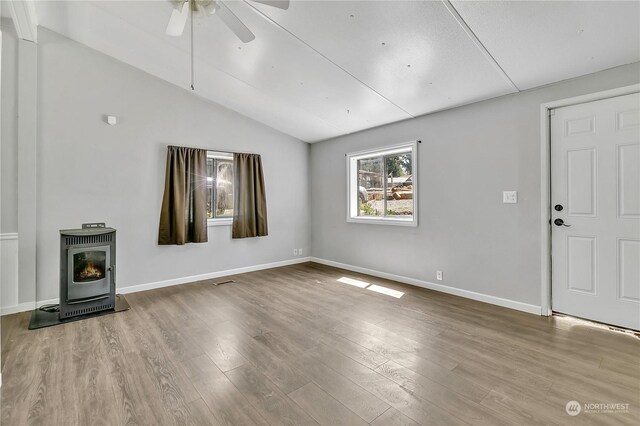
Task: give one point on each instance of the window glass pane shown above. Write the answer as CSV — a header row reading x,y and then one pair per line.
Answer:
x,y
210,188
371,186
386,190
399,184
224,188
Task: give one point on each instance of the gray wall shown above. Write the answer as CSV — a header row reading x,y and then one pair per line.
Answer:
x,y
468,156
9,129
89,171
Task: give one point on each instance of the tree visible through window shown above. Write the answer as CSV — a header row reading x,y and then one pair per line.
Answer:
x,y
219,186
382,185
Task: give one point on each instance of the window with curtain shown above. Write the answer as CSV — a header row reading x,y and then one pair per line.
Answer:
x,y
204,187
183,215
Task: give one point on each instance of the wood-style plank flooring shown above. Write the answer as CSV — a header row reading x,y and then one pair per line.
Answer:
x,y
293,345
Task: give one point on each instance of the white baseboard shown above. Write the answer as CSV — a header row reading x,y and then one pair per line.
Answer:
x,y
20,307
499,301
507,303
28,306
218,274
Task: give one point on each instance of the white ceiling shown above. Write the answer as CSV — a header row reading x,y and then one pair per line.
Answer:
x,y
327,68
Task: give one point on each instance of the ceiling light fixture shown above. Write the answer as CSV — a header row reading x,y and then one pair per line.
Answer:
x,y
186,9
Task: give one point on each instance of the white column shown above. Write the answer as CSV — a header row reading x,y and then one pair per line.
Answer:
x,y
27,172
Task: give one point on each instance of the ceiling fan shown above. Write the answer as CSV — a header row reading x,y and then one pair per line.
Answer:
x,y
181,9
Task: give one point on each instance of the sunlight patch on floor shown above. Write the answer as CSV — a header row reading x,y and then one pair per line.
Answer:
x,y
569,322
384,290
373,287
351,281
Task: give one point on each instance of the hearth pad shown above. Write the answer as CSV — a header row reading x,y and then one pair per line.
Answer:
x,y
40,319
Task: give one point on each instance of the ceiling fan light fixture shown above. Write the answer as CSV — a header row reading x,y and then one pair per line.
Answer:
x,y
183,9
210,8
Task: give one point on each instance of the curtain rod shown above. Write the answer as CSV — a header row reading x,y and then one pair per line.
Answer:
x,y
208,149
383,149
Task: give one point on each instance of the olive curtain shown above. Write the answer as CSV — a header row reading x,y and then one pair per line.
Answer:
x,y
183,217
249,198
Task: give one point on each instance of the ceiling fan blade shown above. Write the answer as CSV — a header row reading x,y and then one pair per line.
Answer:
x,y
234,23
178,20
280,4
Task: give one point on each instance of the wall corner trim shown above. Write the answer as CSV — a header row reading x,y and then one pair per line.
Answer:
x,y
25,19
493,300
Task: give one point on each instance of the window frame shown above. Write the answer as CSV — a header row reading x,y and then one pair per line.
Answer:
x,y
219,221
353,185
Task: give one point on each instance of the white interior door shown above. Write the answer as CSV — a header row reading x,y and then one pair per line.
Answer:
x,y
595,210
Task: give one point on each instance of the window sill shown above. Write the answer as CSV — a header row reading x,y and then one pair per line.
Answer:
x,y
219,222
387,221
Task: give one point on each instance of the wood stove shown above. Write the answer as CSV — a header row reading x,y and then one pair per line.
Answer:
x,y
87,270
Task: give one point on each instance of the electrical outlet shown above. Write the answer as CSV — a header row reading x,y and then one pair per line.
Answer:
x,y
439,275
300,251
295,252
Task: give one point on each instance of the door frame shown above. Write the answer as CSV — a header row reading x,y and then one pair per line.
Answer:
x,y
545,181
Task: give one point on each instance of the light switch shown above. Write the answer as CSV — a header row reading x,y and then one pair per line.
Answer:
x,y
112,120
510,197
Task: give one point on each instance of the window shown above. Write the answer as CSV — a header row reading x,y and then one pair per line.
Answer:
x,y
382,186
219,188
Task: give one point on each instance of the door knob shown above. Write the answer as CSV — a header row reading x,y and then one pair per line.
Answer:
x,y
560,222
558,207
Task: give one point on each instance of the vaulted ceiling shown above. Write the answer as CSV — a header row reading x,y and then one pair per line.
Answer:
x,y
326,68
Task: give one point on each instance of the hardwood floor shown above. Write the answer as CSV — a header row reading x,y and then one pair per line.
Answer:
x,y
293,345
